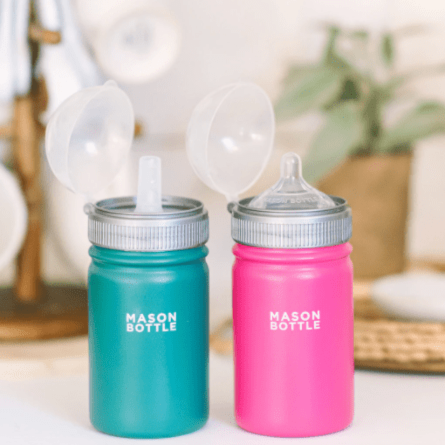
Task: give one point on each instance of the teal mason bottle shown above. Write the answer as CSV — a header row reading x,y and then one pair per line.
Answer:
x,y
148,318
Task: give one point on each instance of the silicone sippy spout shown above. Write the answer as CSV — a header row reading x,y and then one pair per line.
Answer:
x,y
149,197
292,192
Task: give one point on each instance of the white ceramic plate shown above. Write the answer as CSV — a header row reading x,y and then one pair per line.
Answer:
x,y
413,296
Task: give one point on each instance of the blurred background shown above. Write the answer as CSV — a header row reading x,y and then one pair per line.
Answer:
x,y
359,90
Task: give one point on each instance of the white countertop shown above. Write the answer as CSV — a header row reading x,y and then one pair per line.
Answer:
x,y
390,409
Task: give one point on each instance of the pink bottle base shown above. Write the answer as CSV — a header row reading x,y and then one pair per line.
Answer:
x,y
279,432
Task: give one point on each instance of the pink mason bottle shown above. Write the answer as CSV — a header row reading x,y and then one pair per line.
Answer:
x,y
293,309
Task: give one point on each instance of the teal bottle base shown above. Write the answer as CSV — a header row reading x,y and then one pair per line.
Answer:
x,y
132,434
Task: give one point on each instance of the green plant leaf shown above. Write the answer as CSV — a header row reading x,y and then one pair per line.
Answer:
x,y
333,34
340,137
316,89
331,57
334,60
350,90
372,119
388,49
423,121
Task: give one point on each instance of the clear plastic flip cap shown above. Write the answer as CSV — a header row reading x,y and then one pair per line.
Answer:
x,y
292,192
230,138
87,142
88,138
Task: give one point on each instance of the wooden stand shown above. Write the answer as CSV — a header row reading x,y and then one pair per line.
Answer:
x,y
32,310
26,151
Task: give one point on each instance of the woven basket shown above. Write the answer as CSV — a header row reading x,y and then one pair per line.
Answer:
x,y
379,342
396,345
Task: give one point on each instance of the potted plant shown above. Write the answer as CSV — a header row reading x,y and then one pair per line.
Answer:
x,y
356,154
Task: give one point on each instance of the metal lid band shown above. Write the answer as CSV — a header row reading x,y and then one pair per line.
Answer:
x,y
291,229
113,224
